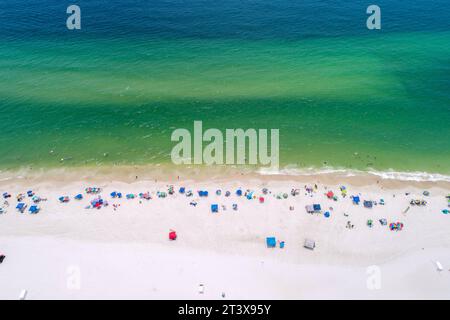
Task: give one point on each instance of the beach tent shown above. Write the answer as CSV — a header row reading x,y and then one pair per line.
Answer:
x,y
63,199
79,197
34,209
368,204
203,193
317,208
214,208
271,242
356,199
309,244
172,235
21,207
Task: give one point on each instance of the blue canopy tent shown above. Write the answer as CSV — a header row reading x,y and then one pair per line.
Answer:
x,y
271,242
203,193
34,209
21,206
317,207
214,208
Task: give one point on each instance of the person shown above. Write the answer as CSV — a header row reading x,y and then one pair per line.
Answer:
x,y
2,257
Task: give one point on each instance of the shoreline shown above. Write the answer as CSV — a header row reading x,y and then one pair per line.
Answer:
x,y
171,174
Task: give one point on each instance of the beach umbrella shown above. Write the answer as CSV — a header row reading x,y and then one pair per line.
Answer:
x,y
172,235
327,214
79,196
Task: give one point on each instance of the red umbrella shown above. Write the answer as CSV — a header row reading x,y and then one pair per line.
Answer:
x,y
172,235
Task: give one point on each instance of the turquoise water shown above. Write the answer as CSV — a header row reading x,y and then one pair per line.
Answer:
x,y
113,92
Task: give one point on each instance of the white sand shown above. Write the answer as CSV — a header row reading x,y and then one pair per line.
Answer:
x,y
127,254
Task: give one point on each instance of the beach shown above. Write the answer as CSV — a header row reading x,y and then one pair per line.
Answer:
x,y
134,157
123,251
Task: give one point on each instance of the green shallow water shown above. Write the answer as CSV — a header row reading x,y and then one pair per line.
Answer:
x,y
358,102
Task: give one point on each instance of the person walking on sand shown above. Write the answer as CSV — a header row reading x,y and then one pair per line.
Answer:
x,y
2,257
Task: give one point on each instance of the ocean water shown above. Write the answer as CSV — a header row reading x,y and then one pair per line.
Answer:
x,y
341,95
